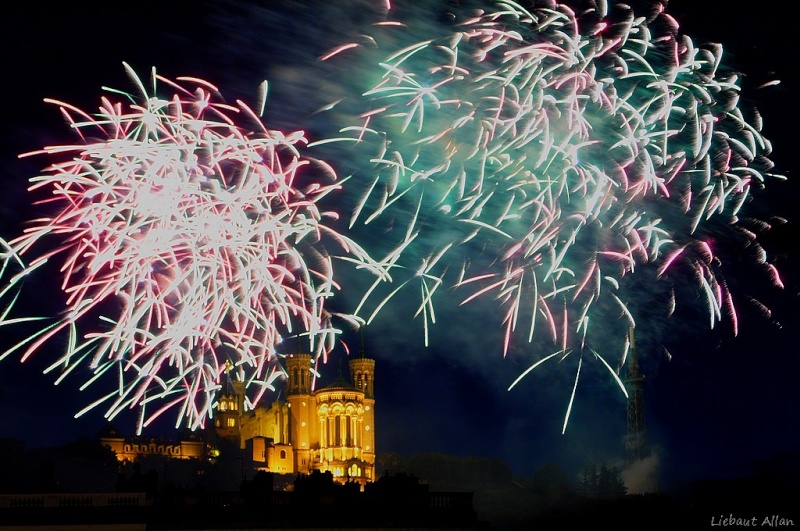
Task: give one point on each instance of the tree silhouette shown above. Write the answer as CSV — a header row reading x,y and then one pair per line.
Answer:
x,y
605,482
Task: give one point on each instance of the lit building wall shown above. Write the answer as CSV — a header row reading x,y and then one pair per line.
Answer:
x,y
270,422
131,448
280,459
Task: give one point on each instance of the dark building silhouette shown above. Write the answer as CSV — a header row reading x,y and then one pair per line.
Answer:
x,y
317,501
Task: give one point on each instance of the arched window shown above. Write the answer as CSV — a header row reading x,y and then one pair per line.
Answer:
x,y
348,430
283,454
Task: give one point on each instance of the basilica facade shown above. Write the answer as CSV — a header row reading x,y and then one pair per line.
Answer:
x,y
330,429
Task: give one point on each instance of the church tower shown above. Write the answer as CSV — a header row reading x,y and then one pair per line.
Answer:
x,y
362,373
298,395
636,441
229,407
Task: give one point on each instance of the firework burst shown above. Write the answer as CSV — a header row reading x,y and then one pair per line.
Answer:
x,y
553,158
188,234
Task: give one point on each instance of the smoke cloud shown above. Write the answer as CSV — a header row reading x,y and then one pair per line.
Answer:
x,y
641,476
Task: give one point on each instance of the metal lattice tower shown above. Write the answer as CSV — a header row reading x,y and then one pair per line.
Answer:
x,y
636,442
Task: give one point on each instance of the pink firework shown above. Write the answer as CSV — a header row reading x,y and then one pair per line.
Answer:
x,y
189,234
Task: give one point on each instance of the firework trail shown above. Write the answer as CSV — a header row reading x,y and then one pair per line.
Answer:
x,y
553,158
188,234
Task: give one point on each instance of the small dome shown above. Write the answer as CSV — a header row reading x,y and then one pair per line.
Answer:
x,y
340,384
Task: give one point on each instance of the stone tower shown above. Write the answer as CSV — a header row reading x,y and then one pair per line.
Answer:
x,y
362,373
299,398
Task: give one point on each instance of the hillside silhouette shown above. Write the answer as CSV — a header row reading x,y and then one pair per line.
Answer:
x,y
430,490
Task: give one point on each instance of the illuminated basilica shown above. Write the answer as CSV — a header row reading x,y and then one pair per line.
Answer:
x,y
331,429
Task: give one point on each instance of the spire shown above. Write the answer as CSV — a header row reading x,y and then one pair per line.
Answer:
x,y
228,390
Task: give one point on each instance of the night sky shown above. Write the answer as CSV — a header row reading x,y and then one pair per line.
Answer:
x,y
720,406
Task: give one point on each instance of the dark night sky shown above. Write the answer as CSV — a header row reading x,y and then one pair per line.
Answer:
x,y
719,407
